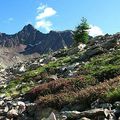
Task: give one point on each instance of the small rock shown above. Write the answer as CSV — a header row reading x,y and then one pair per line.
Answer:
x,y
54,77
30,108
2,96
1,103
2,118
22,68
52,116
117,104
81,46
12,113
64,117
84,118
21,106
6,109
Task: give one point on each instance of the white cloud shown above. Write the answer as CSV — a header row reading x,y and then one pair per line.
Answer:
x,y
43,13
41,7
10,19
48,12
44,24
95,31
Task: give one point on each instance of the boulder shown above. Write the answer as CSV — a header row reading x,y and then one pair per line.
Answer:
x,y
6,109
101,104
22,68
73,51
81,46
3,118
1,103
33,66
21,107
63,117
109,114
31,108
117,104
12,113
2,113
92,114
43,112
41,60
54,77
96,50
84,118
117,113
109,44
2,96
97,103
52,116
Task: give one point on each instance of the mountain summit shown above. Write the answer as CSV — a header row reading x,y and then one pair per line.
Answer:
x,y
28,27
36,42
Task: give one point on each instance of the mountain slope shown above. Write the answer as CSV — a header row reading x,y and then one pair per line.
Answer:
x,y
29,40
66,81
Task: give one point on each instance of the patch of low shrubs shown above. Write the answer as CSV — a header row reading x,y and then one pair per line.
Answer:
x,y
83,96
56,86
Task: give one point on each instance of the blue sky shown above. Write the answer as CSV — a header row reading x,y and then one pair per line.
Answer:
x,y
46,15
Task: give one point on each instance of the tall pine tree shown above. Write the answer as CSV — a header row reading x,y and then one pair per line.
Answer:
x,y
81,32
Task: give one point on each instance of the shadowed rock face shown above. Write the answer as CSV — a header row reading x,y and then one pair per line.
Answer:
x,y
29,40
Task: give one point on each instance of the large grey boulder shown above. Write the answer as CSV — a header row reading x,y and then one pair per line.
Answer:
x,y
96,50
92,114
100,104
110,44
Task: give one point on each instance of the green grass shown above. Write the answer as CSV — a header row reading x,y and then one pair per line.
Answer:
x,y
97,69
113,95
102,67
28,77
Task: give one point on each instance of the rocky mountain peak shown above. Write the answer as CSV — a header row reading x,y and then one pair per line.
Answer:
x,y
28,27
36,41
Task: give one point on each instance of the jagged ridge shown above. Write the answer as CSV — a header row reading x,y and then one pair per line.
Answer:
x,y
29,40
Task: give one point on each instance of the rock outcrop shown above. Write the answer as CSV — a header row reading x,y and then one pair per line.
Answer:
x,y
29,40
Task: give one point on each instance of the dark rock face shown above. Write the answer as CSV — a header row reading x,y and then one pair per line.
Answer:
x,y
29,40
115,38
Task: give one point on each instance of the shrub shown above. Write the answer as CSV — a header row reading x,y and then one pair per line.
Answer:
x,y
86,95
53,87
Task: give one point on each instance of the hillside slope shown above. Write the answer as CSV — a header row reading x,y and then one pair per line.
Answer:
x,y
67,82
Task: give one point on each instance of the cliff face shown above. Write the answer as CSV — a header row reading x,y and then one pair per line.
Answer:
x,y
29,40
